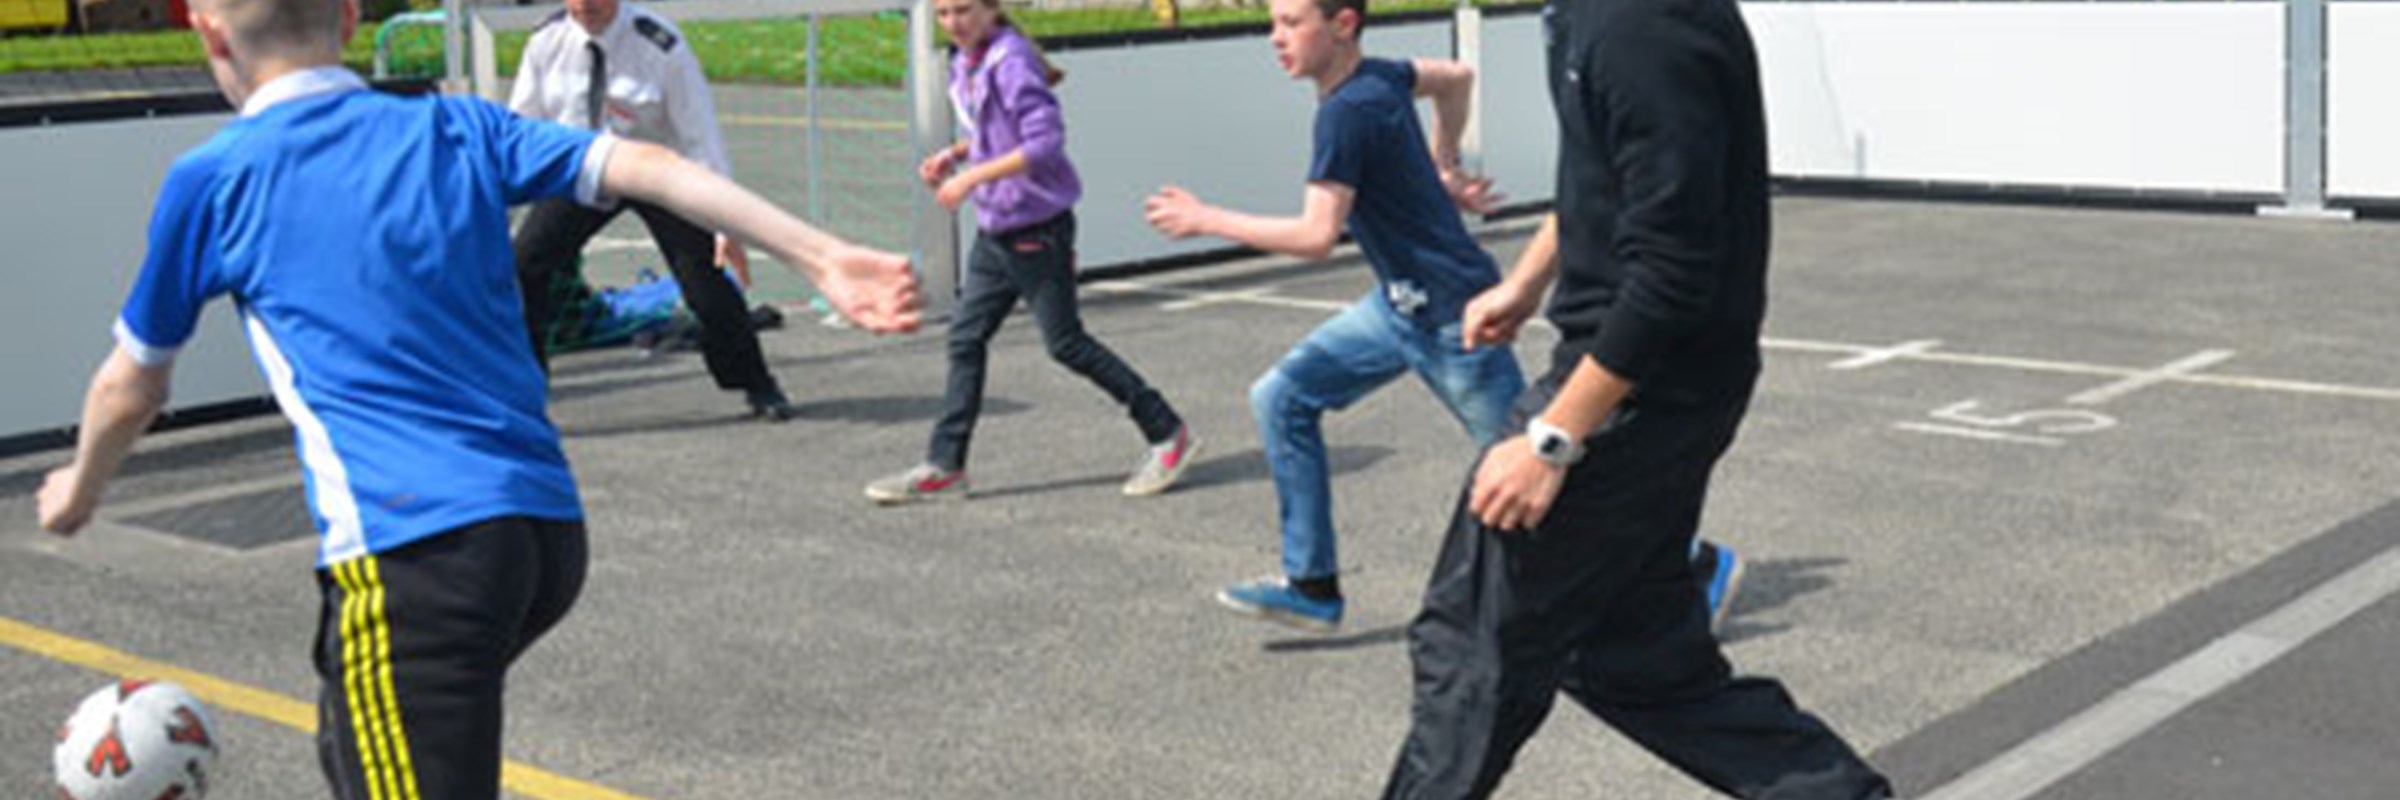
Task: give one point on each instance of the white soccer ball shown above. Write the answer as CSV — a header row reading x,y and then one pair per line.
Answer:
x,y
136,740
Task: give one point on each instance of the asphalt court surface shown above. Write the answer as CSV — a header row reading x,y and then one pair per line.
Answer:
x,y
2005,463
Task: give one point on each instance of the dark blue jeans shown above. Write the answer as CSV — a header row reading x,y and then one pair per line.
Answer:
x,y
1035,263
1358,351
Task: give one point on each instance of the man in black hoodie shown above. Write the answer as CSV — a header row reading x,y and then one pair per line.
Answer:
x,y
1565,564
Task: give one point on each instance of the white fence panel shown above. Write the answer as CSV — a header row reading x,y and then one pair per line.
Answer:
x,y
2161,96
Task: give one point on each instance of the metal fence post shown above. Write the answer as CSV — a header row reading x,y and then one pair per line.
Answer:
x,y
2304,114
454,47
816,126
935,232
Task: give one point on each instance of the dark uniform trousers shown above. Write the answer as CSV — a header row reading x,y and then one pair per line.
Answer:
x,y
1599,601
553,235
413,651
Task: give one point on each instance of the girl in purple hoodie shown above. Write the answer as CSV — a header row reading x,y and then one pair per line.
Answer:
x,y
1013,161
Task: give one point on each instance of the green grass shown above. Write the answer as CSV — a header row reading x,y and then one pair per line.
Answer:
x,y
857,50
154,49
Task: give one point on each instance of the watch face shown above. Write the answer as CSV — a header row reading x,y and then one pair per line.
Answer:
x,y
1551,446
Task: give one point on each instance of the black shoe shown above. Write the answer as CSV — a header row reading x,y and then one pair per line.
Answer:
x,y
771,405
765,317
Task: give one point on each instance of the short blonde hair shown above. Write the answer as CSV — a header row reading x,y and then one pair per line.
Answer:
x,y
279,26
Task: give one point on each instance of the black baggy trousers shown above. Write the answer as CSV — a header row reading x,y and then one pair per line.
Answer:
x,y
1598,601
553,235
413,651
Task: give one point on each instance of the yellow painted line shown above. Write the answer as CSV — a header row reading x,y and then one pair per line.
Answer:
x,y
251,701
829,123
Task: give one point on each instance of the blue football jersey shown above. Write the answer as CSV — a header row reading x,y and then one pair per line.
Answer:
x,y
364,240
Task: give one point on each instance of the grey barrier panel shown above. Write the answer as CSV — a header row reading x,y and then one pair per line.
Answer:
x,y
78,199
1520,134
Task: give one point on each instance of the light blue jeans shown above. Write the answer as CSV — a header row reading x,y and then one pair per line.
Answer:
x,y
1355,353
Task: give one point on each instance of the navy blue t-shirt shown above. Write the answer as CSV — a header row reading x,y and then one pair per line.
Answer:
x,y
1368,139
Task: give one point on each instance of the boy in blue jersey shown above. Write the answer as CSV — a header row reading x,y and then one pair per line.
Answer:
x,y
364,238
1372,169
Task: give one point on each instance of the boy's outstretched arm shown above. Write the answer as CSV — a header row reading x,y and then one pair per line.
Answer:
x,y
125,396
874,288
1179,214
1451,86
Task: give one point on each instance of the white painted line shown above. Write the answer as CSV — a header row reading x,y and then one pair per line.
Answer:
x,y
1887,355
2292,387
1251,297
2019,364
1978,433
603,244
150,505
2134,383
1804,346
2076,743
1217,298
2377,393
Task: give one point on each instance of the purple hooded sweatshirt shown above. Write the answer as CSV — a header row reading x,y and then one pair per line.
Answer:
x,y
1006,104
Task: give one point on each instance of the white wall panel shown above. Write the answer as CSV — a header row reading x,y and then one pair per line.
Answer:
x,y
2362,118
2174,96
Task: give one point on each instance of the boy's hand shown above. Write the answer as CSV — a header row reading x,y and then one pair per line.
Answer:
x,y
874,288
1514,489
1176,213
936,167
62,505
1471,192
1495,316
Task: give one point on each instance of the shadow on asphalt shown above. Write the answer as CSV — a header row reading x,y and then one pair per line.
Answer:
x,y
1250,464
1239,467
156,458
662,424
1060,485
1373,637
1771,585
891,409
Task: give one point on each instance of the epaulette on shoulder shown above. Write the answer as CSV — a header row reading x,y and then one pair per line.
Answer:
x,y
552,19
657,34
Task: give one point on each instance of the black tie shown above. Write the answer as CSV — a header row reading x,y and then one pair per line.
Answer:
x,y
595,97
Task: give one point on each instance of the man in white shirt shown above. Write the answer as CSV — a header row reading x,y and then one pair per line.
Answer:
x,y
610,66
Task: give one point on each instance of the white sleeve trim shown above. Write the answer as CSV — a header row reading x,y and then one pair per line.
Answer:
x,y
143,353
595,161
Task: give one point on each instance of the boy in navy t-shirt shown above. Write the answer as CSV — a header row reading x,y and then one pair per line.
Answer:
x,y
1373,171
364,239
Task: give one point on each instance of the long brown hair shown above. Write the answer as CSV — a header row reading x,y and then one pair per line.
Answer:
x,y
1050,71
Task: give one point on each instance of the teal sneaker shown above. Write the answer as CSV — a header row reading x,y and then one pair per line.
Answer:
x,y
1273,599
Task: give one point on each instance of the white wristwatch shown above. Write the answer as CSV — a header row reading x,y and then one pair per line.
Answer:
x,y
1552,444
